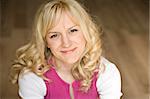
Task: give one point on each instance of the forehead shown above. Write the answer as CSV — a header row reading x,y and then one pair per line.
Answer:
x,y
64,21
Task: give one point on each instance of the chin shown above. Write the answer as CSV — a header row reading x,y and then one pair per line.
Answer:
x,y
71,61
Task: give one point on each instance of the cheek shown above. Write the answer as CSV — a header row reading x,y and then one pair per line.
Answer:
x,y
50,43
53,48
81,40
53,45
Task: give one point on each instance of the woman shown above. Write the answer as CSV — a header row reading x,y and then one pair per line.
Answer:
x,y
63,59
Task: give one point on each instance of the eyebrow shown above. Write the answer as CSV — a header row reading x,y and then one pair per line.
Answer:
x,y
59,32
72,27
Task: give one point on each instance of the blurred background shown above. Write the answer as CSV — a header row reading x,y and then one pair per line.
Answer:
x,y
125,39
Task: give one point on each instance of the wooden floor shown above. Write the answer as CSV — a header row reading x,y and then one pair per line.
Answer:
x,y
125,40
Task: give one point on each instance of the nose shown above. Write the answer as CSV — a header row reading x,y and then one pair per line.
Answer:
x,y
66,42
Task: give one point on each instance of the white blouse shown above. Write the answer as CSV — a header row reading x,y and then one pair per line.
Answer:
x,y
108,84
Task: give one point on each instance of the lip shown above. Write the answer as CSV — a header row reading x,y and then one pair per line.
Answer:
x,y
68,51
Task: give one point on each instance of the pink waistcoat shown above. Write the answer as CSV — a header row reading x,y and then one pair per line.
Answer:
x,y
59,89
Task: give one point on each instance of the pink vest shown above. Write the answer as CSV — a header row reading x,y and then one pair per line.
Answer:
x,y
59,89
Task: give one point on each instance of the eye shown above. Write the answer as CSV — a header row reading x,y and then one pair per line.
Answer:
x,y
54,36
73,30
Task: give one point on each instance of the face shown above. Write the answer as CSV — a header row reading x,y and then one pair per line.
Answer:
x,y
66,41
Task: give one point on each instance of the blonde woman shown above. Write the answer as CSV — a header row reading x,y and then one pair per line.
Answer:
x,y
63,59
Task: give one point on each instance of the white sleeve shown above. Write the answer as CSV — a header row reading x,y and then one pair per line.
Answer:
x,y
109,81
31,86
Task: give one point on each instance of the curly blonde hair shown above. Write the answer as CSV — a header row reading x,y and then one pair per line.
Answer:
x,y
33,56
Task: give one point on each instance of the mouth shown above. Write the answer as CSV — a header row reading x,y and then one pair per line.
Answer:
x,y
68,51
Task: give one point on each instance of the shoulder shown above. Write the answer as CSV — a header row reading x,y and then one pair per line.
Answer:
x,y
109,80
29,75
31,86
108,67
110,70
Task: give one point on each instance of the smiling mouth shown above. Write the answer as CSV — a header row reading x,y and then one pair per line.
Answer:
x,y
68,51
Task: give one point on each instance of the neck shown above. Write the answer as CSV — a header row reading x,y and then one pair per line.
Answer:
x,y
64,71
62,66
